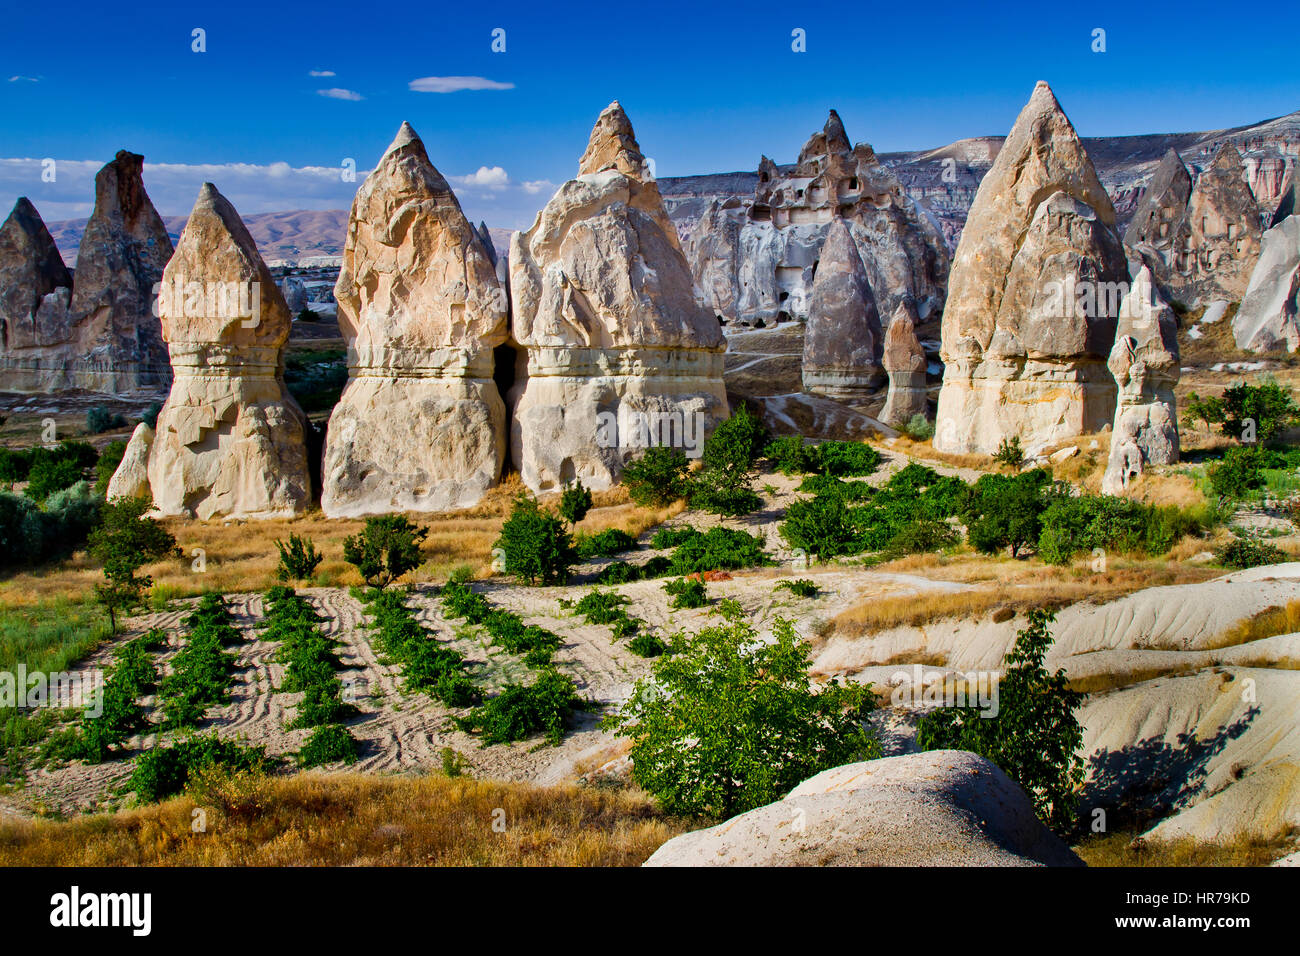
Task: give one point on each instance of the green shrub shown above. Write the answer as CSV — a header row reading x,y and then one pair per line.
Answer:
x,y
575,502
736,444
109,459
99,419
535,544
800,587
790,456
687,593
841,459
608,542
427,667
520,711
506,628
719,549
672,537
164,771
724,493
201,670
921,536
124,541
1268,405
1010,454
298,558
1073,525
821,526
1006,511
49,475
919,428
647,645
727,723
1247,552
1240,472
387,548
330,743
1036,735
658,477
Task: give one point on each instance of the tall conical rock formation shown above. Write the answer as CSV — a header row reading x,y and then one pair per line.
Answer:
x,y
420,425
35,293
1155,231
230,440
904,362
117,342
1034,293
843,342
603,303
1144,363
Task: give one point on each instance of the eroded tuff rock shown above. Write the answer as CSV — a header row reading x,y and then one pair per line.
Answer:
x,y
1035,288
937,808
117,344
754,261
904,362
35,293
842,343
1200,242
131,479
619,352
1144,362
420,425
230,440
1267,319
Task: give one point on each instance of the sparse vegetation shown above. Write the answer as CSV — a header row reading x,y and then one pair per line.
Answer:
x,y
387,548
535,545
299,558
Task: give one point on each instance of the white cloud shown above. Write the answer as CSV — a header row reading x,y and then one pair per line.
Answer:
x,y
535,186
320,73
491,178
454,84
337,94
23,79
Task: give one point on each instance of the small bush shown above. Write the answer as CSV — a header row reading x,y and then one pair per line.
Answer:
x,y
164,771
298,559
719,549
109,459
800,587
1010,454
647,645
1240,472
535,544
658,477
790,456
575,503
608,542
331,743
520,711
1246,552
387,548
841,459
49,475
672,537
919,428
687,593
99,420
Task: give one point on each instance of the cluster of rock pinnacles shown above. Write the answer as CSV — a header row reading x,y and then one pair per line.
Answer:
x,y
598,307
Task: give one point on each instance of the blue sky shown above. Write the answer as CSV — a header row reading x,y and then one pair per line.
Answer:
x,y
709,87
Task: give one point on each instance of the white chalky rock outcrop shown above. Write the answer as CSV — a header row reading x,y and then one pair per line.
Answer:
x,y
421,424
1036,285
230,440
619,353
1144,362
1269,316
938,808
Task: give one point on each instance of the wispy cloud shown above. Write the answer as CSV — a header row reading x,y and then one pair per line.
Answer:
x,y
320,73
454,84
24,79
535,186
338,94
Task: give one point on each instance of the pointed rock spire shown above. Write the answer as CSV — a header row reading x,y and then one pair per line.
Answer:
x,y
421,425
904,362
230,440
1163,206
30,269
613,145
842,344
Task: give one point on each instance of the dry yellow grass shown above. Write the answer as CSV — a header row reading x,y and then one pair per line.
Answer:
x,y
241,555
1267,623
355,820
1015,586
1124,849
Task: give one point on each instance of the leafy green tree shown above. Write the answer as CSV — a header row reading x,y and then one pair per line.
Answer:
x,y
736,444
1268,405
727,723
1208,410
49,475
535,544
298,558
387,548
1036,735
658,477
820,526
575,503
1240,472
1006,511
124,542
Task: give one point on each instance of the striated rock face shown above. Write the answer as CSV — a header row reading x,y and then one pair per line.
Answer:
x,y
904,362
842,344
35,293
1199,242
754,261
230,440
1144,361
938,808
1035,289
619,352
1267,319
420,425
117,341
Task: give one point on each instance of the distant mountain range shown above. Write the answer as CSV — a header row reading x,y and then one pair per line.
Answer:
x,y
944,180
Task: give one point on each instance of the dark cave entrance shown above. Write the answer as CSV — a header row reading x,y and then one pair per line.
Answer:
x,y
507,363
